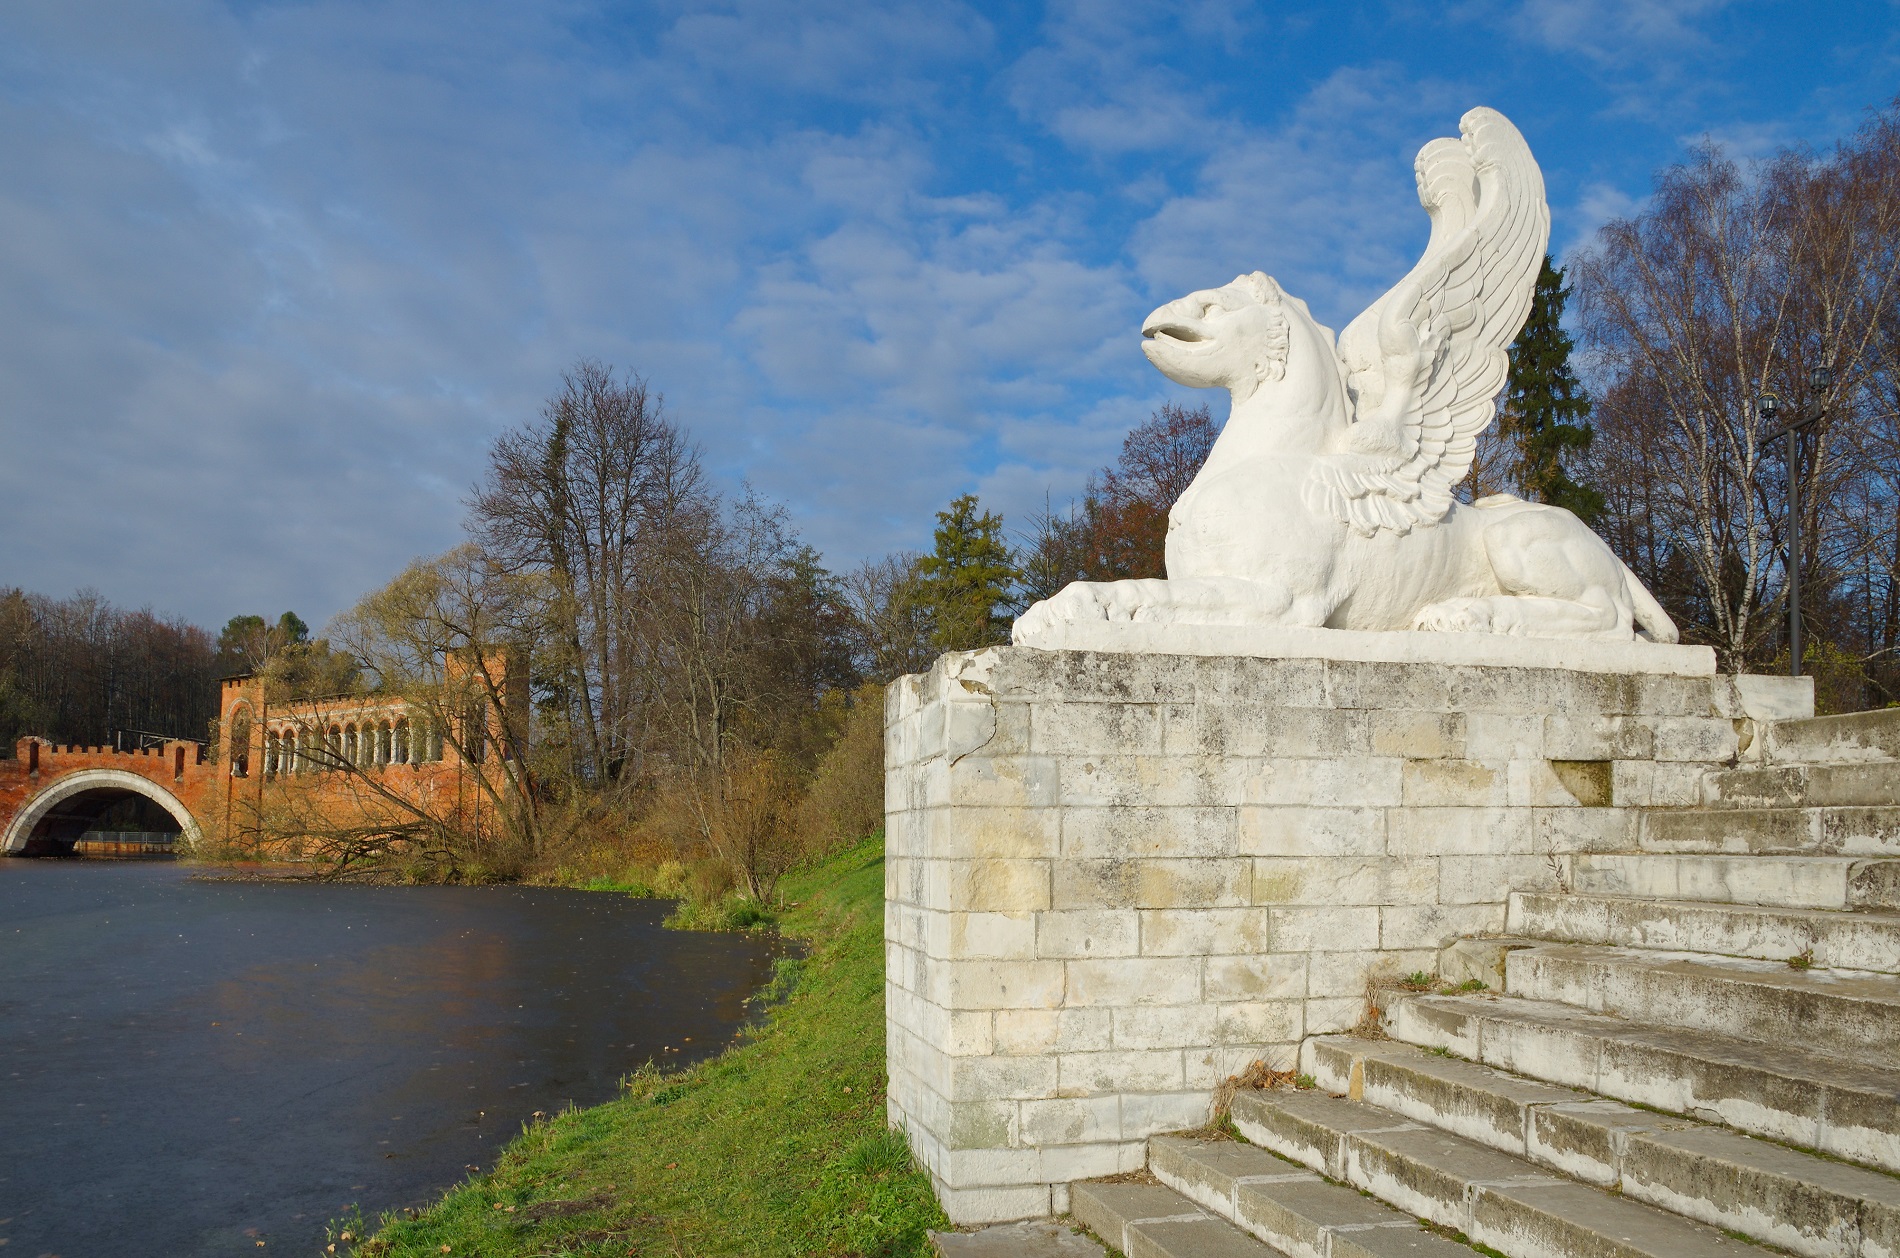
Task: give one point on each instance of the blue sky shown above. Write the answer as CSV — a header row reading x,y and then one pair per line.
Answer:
x,y
272,275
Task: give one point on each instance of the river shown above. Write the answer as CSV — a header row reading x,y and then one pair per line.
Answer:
x,y
191,1067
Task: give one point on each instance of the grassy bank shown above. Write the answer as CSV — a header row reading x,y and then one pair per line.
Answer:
x,y
778,1146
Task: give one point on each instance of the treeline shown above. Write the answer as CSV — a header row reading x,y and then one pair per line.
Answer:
x,y
703,698
78,670
1734,283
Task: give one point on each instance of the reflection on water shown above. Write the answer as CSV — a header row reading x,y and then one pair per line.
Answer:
x,y
189,1067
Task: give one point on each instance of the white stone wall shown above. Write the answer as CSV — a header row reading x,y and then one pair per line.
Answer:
x,y
1113,880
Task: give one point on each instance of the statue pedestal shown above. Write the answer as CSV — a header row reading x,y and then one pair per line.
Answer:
x,y
1114,879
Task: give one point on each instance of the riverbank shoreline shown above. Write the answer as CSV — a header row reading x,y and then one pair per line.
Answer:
x,y
776,1146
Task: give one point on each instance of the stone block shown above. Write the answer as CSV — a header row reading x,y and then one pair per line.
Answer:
x,y
1253,730
981,1124
1483,879
1418,735
1285,683
1148,832
1121,1070
1152,883
1064,1163
968,1033
970,726
1300,831
1259,1022
1495,736
1432,926
1215,1066
1088,729
1593,736
1273,976
1459,831
972,833
1335,928
1454,784
1001,1204
1088,933
992,935
1200,932
1386,686
1118,781
1367,781
1547,784
987,886
1762,698
1562,830
1676,785
987,985
1133,981
1144,1114
1706,740
1071,1120
1330,1015
1052,1031
1001,1078
1345,880
1101,677
1163,1026
989,782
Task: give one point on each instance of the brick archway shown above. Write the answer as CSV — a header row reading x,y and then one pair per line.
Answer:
x,y
79,782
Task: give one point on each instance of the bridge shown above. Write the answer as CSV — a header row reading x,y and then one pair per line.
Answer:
x,y
64,799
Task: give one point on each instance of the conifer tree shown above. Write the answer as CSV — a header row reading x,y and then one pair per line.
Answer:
x,y
1545,415
966,582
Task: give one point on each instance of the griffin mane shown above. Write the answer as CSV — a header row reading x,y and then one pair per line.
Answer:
x,y
1270,360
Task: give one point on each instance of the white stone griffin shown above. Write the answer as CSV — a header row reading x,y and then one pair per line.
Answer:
x,y
1327,500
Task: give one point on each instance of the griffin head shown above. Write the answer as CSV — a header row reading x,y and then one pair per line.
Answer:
x,y
1241,337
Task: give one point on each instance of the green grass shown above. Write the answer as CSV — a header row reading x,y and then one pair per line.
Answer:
x,y
778,1146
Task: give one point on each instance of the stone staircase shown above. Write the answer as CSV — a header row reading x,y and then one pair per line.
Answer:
x,y
1692,1050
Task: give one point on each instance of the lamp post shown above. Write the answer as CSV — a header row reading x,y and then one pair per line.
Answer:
x,y
1820,380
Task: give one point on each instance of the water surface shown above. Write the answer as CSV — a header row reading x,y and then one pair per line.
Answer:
x,y
189,1067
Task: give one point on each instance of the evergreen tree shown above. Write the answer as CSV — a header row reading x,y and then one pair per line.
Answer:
x,y
1546,411
966,582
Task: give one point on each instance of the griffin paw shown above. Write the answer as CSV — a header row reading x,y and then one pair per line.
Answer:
x,y
1456,615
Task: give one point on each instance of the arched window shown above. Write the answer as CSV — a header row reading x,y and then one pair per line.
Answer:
x,y
399,743
240,743
307,751
382,743
349,744
333,747
270,753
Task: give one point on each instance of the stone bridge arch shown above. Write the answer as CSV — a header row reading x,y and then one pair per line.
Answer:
x,y
84,781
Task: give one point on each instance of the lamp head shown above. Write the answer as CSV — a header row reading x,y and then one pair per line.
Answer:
x,y
1820,380
1766,406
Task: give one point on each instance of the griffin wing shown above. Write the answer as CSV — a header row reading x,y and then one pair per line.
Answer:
x,y
1425,364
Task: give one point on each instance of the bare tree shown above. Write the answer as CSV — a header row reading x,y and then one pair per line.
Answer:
x,y
583,495
1730,285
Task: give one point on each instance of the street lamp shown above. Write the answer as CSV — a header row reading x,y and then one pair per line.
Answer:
x,y
1820,381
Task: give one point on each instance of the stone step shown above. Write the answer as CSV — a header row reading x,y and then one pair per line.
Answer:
x,y
1780,1196
1291,1209
1794,882
1495,1199
1827,938
1831,1011
1773,831
1854,737
1845,1108
1803,785
1154,1221
1034,1239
